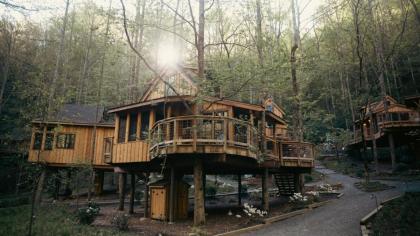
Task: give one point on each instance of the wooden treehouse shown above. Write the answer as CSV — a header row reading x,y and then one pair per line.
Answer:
x,y
390,126
73,137
175,131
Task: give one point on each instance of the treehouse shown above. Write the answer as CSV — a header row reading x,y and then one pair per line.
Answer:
x,y
72,137
176,131
389,126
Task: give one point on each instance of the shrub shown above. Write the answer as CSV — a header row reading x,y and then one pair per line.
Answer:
x,y
86,215
400,167
360,173
12,202
298,200
308,178
120,221
211,191
244,190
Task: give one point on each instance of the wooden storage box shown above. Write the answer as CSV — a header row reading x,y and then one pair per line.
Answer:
x,y
159,200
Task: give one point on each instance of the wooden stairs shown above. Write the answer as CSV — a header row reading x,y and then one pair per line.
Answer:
x,y
285,183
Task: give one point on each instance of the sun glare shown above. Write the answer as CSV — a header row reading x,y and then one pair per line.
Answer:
x,y
168,55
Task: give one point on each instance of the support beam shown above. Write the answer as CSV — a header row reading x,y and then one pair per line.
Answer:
x,y
146,196
265,196
132,193
121,190
392,150
99,182
239,190
199,211
172,196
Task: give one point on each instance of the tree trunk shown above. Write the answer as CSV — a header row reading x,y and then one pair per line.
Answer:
x,y
199,211
259,34
132,193
121,185
265,193
200,40
58,63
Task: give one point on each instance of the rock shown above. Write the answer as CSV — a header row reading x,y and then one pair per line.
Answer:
x,y
230,213
238,216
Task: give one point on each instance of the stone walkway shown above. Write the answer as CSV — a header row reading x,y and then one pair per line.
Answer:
x,y
341,216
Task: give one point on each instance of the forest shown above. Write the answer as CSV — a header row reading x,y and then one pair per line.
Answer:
x,y
345,53
344,72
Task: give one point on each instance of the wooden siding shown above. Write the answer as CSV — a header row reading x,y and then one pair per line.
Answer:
x,y
134,151
82,151
181,84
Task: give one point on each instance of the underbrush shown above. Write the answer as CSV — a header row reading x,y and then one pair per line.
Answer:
x,y
49,220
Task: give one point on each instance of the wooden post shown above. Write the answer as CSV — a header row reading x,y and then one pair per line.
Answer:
x,y
199,211
265,196
146,197
239,190
57,185
121,186
99,182
40,186
204,188
172,196
132,193
392,150
298,182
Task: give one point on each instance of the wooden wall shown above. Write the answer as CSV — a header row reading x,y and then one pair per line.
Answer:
x,y
82,151
132,151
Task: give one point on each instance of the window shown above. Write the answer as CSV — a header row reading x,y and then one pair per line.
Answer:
x,y
121,131
37,141
65,141
132,130
49,139
144,129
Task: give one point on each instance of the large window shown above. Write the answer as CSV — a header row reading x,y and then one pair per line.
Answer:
x,y
37,141
121,130
132,130
65,141
144,129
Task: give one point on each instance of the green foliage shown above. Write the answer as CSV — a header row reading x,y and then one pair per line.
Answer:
x,y
86,215
211,190
13,201
49,220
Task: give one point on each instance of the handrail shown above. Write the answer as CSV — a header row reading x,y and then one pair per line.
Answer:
x,y
204,130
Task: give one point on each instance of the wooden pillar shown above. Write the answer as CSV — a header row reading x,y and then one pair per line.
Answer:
x,y
298,181
392,150
132,193
146,196
99,182
265,194
172,196
239,189
199,211
121,186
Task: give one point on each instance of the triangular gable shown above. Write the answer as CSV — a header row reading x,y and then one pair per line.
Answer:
x,y
178,79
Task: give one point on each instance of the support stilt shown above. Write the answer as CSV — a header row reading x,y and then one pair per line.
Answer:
x,y
239,190
265,196
199,211
146,196
392,150
121,186
172,196
99,182
132,193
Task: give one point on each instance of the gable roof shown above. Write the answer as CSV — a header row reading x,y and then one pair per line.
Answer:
x,y
78,114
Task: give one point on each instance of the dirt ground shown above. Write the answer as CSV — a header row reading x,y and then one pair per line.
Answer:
x,y
217,218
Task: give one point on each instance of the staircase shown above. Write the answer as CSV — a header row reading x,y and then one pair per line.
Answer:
x,y
285,183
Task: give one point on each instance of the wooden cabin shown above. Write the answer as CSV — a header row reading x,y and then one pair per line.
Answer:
x,y
175,130
67,139
397,125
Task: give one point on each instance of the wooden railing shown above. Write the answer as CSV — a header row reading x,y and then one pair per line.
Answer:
x,y
299,154
216,133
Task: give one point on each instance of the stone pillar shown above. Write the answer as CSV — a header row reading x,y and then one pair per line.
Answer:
x,y
199,211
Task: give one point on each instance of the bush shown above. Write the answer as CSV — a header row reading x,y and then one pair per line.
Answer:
x,y
360,173
211,191
400,167
120,221
16,201
308,178
244,190
87,215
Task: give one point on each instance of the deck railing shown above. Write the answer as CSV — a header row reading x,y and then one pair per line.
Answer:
x,y
293,153
199,130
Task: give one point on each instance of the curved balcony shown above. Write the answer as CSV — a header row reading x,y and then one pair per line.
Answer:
x,y
203,134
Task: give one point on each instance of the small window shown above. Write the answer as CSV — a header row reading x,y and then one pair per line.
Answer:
x,y
65,141
49,139
132,130
37,141
122,126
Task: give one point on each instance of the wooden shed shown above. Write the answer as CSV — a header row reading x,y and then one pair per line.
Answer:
x,y
160,200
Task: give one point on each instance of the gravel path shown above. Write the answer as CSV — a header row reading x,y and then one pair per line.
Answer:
x,y
341,216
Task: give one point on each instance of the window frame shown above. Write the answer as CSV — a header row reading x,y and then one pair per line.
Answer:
x,y
65,140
